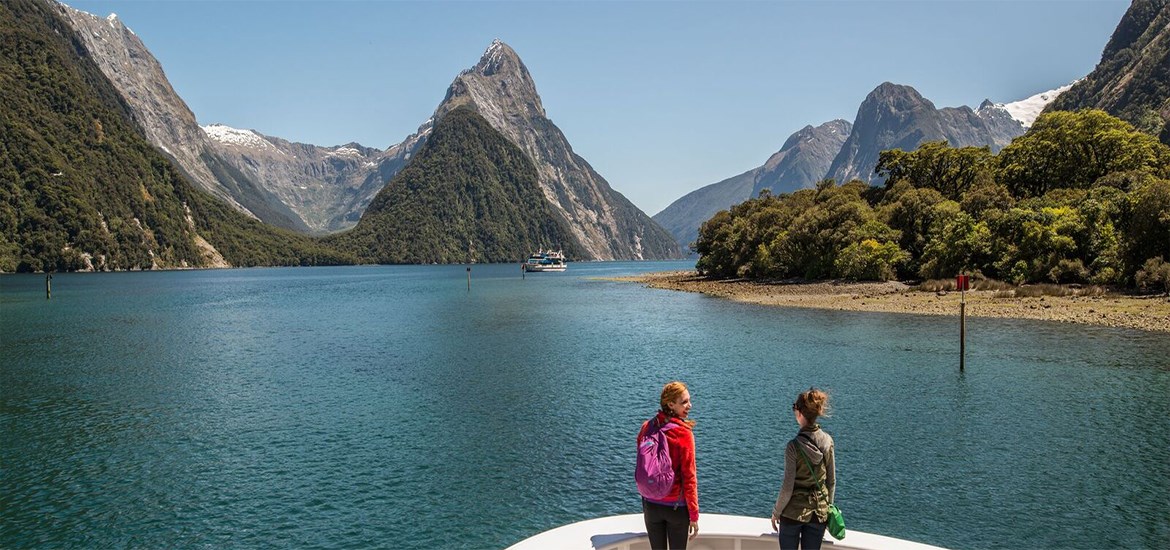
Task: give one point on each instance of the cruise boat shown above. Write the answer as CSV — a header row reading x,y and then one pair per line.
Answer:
x,y
546,260
716,532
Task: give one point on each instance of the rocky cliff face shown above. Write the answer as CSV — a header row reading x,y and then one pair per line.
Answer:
x,y
898,117
804,159
1132,81
165,119
607,225
327,187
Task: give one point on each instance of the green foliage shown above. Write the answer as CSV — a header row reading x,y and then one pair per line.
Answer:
x,y
1100,219
801,235
468,195
959,245
1076,149
1146,224
1154,275
870,260
936,165
80,187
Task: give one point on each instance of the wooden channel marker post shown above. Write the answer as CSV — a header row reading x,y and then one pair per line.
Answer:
x,y
469,279
962,282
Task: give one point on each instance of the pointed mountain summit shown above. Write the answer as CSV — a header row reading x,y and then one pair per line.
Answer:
x,y
606,224
469,195
895,116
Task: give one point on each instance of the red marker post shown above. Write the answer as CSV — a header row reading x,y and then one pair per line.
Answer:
x,y
962,283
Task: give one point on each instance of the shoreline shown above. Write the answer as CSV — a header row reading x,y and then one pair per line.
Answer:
x,y
1147,313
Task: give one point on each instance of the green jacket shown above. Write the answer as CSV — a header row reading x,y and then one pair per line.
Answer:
x,y
800,499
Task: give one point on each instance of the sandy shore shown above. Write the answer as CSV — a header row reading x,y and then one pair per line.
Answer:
x,y
1150,313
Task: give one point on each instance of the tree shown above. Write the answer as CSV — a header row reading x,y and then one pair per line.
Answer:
x,y
936,165
1075,149
962,244
869,260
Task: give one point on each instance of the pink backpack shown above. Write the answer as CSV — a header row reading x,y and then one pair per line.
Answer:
x,y
654,472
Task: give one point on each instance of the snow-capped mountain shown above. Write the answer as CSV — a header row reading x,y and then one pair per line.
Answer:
x,y
1027,110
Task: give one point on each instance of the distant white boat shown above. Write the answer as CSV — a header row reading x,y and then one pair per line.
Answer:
x,y
716,532
546,260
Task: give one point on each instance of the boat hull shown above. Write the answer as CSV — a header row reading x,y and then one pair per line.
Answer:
x,y
716,532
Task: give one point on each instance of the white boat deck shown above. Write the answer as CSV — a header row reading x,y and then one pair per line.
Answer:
x,y
716,532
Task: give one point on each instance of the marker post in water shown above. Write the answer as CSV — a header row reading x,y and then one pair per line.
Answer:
x,y
469,279
962,284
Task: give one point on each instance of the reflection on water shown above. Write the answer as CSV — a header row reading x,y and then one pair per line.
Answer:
x,y
375,406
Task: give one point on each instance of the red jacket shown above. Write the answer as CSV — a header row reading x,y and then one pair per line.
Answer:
x,y
681,442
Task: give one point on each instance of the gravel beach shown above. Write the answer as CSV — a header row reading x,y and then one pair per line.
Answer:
x,y
1149,313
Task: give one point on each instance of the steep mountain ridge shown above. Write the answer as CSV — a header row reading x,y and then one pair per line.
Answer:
x,y
804,158
165,118
896,116
327,187
608,226
81,188
469,195
1132,80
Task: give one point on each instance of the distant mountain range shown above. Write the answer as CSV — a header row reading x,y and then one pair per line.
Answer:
x,y
892,116
1132,82
115,205
321,190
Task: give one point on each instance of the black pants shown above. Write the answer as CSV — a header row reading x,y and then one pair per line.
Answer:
x,y
666,523
807,535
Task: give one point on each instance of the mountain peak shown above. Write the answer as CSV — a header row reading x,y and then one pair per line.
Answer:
x,y
498,86
498,58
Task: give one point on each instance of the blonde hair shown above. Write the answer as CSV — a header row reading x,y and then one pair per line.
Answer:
x,y
812,404
670,393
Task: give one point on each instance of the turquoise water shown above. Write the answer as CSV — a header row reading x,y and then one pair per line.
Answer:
x,y
389,407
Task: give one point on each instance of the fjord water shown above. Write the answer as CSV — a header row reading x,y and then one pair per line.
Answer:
x,y
391,407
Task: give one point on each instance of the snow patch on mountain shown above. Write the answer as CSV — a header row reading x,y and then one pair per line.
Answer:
x,y
1027,110
345,152
234,136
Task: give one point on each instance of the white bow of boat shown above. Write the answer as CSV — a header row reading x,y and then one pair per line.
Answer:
x,y
716,532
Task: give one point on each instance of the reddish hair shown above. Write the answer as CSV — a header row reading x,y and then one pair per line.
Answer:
x,y
670,393
812,404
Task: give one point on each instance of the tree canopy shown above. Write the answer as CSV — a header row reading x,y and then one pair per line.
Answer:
x,y
1081,197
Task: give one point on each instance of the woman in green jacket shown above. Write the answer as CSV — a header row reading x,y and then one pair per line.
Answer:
x,y
801,509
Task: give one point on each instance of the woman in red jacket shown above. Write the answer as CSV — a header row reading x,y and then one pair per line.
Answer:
x,y
675,518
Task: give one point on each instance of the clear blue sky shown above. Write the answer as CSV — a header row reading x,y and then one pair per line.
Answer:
x,y
660,97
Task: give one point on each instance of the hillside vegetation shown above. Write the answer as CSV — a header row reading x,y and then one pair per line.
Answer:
x,y
1082,197
468,195
80,187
